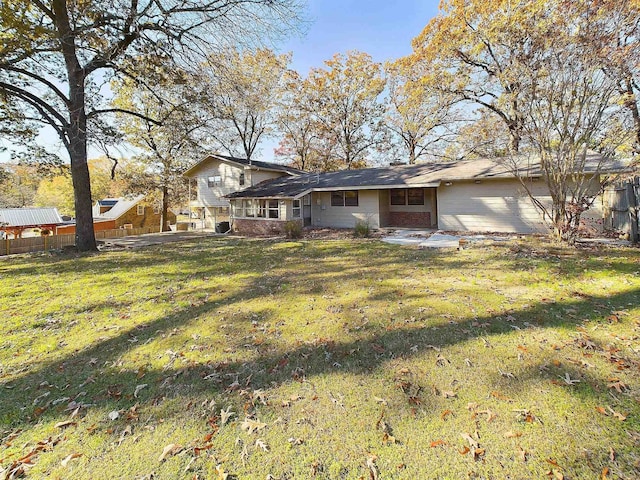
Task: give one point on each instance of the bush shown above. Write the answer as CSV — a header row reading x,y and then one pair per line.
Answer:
x,y
362,229
293,229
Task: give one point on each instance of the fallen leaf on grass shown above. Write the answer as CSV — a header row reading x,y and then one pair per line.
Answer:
x,y
114,415
374,473
512,434
618,415
568,380
68,458
65,424
500,396
261,444
170,450
522,454
222,473
612,454
605,473
601,410
464,450
251,425
472,442
437,443
444,414
225,415
138,388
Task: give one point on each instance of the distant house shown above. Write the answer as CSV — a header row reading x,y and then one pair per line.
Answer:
x,y
113,213
219,175
480,195
15,221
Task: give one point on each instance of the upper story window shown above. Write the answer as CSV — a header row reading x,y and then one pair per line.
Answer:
x,y
241,179
140,210
346,198
214,181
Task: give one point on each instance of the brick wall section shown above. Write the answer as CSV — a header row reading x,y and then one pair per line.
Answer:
x,y
410,219
259,228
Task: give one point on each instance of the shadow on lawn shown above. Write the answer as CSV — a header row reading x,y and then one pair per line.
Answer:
x,y
360,356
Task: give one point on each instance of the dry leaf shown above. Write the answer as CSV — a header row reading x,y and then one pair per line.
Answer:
x,y
601,410
262,445
225,415
605,473
472,442
612,454
437,443
169,451
222,474
68,458
138,388
251,425
522,454
444,414
65,424
373,469
464,450
114,415
512,434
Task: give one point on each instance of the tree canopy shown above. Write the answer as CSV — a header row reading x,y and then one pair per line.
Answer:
x,y
56,59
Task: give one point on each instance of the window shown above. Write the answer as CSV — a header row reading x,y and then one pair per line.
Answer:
x,y
398,197
347,198
307,200
250,208
351,198
274,208
296,209
415,196
214,181
241,179
140,210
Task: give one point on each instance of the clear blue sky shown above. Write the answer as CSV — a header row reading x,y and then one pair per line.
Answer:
x,y
383,29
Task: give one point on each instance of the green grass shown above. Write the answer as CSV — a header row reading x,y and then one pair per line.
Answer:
x,y
353,356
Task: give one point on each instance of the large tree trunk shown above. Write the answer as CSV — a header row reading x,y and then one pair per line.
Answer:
x,y
77,131
85,236
164,227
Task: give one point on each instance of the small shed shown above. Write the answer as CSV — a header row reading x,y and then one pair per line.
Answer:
x,y
16,220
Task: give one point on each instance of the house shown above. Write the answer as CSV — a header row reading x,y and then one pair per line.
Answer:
x,y
480,195
15,221
113,213
219,175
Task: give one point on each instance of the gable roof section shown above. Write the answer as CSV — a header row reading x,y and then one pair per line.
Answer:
x,y
406,176
121,207
29,217
254,164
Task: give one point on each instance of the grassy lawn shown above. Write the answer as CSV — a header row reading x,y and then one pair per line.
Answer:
x,y
332,359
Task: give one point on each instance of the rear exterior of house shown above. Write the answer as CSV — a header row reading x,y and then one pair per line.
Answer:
x,y
477,196
217,176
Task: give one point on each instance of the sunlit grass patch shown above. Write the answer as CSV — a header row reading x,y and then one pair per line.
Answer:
x,y
329,359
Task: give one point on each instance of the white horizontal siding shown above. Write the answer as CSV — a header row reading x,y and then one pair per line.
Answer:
x,y
324,215
230,182
490,206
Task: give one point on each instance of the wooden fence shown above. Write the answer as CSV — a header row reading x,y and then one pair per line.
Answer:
x,y
55,242
622,205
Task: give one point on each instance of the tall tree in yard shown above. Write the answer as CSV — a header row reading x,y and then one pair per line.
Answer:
x,y
166,147
472,49
56,56
420,119
345,99
240,92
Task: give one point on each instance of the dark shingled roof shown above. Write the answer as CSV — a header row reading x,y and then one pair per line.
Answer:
x,y
405,176
243,161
